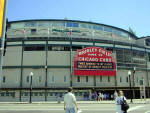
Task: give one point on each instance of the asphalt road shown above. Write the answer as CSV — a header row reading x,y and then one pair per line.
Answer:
x,y
58,108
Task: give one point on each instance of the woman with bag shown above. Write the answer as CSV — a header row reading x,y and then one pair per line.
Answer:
x,y
119,101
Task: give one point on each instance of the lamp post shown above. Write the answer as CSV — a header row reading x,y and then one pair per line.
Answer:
x,y
129,73
31,74
133,93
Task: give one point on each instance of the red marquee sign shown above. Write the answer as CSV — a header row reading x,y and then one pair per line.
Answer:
x,y
94,61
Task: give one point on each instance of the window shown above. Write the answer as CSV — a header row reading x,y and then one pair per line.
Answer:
x,y
147,42
30,24
76,93
58,48
75,25
120,79
7,93
69,24
58,24
52,79
87,79
80,93
78,78
65,79
107,29
108,78
101,78
34,48
3,94
127,79
4,79
137,80
51,94
40,93
33,31
116,32
124,34
74,48
40,79
83,25
67,48
90,26
96,27
26,93
109,49
43,24
35,93
27,79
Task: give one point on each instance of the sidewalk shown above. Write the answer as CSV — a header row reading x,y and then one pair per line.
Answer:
x,y
135,101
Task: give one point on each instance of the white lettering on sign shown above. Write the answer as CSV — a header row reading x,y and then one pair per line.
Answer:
x,y
93,50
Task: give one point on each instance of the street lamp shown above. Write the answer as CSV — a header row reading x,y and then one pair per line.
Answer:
x,y
129,73
31,74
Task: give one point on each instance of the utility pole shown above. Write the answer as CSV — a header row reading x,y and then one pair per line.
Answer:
x,y
3,10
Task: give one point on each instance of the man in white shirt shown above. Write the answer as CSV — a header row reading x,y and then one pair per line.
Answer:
x,y
70,102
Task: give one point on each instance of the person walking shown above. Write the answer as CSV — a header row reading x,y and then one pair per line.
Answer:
x,y
70,102
119,100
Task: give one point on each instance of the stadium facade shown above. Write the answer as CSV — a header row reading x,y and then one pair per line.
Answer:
x,y
47,48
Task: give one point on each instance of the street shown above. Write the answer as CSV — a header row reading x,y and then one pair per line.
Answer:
x,y
58,108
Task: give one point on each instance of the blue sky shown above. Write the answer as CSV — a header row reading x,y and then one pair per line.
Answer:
x,y
118,13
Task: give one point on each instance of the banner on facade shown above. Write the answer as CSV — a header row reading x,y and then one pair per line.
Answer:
x,y
94,61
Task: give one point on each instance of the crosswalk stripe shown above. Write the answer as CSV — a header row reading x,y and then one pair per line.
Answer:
x,y
134,108
147,111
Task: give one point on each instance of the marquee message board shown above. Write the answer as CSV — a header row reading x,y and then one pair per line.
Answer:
x,y
94,61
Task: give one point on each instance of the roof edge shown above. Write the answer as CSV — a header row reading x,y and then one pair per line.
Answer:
x,y
90,22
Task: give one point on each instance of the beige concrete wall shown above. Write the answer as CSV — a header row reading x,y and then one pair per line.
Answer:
x,y
58,74
12,78
83,82
36,74
12,56
123,74
149,78
140,75
34,58
104,82
58,58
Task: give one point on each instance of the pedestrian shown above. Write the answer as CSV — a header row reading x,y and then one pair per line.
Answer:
x,y
58,98
115,94
95,96
119,100
70,102
99,96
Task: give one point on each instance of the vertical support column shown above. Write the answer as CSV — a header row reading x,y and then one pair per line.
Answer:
x,y
21,75
147,73
114,51
2,37
70,61
94,81
46,71
94,78
132,78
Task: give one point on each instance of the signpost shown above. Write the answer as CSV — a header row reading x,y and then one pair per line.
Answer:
x,y
2,32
